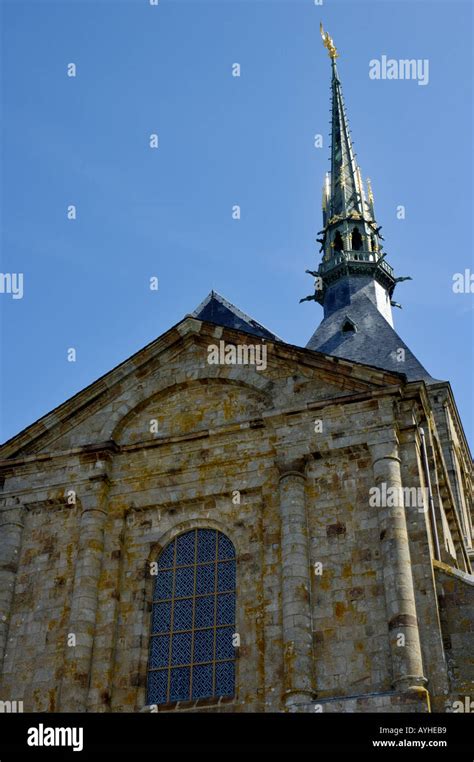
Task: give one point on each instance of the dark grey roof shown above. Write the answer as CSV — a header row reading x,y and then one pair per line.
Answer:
x,y
374,341
216,309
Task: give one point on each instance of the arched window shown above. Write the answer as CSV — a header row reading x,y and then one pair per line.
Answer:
x,y
356,240
338,242
193,619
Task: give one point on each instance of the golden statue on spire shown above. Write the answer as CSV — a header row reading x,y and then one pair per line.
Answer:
x,y
328,42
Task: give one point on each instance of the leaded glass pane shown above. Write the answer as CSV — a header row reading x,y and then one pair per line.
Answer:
x,y
226,576
157,687
181,648
163,585
202,681
161,618
205,578
185,549
204,611
179,684
225,608
159,651
166,558
184,585
206,550
225,679
226,548
203,645
183,614
224,647
194,610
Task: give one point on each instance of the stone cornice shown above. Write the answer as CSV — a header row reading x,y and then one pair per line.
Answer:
x,y
111,448
452,572
445,386
106,449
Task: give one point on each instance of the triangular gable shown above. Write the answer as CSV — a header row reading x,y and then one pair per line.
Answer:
x,y
344,376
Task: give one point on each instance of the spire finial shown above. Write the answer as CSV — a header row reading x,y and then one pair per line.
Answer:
x,y
328,43
369,191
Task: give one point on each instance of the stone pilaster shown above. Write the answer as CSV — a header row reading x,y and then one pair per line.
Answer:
x,y
402,621
11,531
101,678
83,614
419,529
296,590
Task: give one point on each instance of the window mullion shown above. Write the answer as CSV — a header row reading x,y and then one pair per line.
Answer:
x,y
193,614
214,655
170,647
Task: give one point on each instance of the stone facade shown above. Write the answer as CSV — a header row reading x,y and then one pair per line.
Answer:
x,y
342,605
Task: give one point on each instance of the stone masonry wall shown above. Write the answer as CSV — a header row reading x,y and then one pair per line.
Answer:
x,y
456,603
301,443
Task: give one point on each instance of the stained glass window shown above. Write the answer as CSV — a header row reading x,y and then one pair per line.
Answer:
x,y
193,619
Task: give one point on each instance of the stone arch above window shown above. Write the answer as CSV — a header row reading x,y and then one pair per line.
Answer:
x,y
192,655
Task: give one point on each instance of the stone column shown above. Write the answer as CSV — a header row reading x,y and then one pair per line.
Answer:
x,y
405,648
82,619
11,530
296,590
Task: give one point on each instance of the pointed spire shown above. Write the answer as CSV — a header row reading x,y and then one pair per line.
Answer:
x,y
346,194
346,200
351,241
354,283
346,185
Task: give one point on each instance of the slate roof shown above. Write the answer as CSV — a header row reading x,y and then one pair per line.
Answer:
x,y
374,342
216,309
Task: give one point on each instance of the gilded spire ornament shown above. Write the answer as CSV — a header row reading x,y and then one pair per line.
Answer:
x,y
328,43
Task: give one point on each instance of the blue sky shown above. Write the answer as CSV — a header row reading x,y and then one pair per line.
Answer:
x,y
222,141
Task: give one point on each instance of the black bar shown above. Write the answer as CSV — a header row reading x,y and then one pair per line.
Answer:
x,y
113,733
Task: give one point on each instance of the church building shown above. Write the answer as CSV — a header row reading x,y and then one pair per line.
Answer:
x,y
226,522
